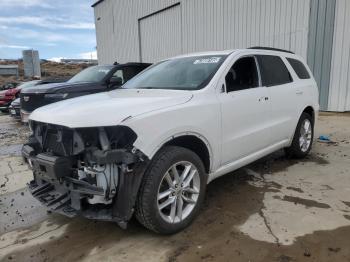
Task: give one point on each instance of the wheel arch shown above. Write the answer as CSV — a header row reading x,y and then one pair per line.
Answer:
x,y
311,111
194,142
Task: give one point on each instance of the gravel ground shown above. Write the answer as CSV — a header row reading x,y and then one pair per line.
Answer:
x,y
275,209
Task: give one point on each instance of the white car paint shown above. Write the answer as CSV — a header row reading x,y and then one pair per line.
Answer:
x,y
109,108
237,127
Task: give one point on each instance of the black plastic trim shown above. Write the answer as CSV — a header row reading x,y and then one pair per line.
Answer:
x,y
271,49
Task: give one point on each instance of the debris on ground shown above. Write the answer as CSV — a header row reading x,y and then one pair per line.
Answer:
x,y
326,139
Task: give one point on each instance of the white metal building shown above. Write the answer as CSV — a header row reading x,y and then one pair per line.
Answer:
x,y
9,70
150,30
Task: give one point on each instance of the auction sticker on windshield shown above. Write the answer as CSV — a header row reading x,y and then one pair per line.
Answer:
x,y
103,71
210,60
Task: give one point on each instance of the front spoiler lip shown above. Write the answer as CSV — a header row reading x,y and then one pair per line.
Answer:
x,y
59,199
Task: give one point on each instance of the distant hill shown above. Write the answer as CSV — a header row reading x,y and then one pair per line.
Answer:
x,y
48,70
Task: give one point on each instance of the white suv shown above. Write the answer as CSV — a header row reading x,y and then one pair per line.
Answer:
x,y
151,147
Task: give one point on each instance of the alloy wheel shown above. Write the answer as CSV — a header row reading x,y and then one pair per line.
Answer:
x,y
305,135
178,192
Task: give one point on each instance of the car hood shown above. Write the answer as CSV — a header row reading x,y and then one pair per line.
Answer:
x,y
57,88
108,108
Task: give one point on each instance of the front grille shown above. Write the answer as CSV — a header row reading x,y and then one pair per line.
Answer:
x,y
54,139
30,102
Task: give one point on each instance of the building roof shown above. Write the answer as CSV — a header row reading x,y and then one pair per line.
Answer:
x,y
8,66
96,3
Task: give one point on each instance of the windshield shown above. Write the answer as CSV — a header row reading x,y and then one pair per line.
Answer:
x,y
187,73
92,74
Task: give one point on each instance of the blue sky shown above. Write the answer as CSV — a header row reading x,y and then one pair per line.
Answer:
x,y
57,28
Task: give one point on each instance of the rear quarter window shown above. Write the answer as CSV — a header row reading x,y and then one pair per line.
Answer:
x,y
273,70
299,68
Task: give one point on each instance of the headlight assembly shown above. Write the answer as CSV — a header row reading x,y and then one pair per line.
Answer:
x,y
56,96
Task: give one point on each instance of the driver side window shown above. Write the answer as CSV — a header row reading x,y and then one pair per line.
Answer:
x,y
242,75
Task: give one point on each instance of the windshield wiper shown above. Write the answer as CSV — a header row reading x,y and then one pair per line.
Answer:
x,y
143,87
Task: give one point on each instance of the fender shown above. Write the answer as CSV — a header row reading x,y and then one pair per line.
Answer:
x,y
187,133
296,123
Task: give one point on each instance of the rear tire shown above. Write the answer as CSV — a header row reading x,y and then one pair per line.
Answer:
x,y
303,137
172,190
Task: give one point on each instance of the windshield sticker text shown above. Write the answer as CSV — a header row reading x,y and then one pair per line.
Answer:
x,y
211,60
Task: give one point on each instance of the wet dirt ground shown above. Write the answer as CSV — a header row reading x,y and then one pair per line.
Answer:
x,y
275,209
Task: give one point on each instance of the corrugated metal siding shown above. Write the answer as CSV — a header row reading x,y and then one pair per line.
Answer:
x,y
117,30
104,31
320,45
159,26
229,24
339,95
206,25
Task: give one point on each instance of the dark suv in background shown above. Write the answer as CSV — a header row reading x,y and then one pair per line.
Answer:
x,y
92,80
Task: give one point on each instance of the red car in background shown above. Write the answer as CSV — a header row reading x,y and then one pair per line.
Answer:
x,y
9,95
6,97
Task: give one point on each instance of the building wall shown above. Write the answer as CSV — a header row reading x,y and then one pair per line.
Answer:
x,y
320,43
149,30
9,71
205,25
165,21
114,43
339,92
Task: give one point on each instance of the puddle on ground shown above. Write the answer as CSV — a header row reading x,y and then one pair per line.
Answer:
x,y
296,189
346,203
303,201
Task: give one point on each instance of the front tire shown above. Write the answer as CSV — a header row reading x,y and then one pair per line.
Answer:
x,y
303,137
172,190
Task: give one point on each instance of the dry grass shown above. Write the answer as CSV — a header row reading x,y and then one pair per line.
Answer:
x,y
48,70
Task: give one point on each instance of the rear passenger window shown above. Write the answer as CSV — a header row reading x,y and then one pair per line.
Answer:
x,y
299,68
242,75
273,70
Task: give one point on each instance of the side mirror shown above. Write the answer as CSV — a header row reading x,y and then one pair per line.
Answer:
x,y
115,81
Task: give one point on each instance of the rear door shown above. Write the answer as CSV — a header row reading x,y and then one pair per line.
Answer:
x,y
283,104
244,106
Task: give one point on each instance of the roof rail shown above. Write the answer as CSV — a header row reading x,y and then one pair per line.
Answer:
x,y
270,48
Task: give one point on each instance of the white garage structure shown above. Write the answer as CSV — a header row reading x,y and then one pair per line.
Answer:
x,y
150,30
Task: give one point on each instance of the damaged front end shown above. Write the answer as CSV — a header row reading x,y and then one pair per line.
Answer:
x,y
93,172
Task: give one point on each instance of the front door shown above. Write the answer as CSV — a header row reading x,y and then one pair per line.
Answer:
x,y
244,105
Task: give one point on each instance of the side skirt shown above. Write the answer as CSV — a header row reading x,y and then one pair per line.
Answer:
x,y
247,160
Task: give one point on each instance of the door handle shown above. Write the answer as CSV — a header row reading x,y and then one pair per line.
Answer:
x,y
299,92
263,98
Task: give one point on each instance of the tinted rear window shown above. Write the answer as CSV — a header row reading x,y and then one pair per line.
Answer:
x,y
299,68
273,70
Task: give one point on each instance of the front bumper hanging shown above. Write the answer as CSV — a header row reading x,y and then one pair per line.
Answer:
x,y
54,186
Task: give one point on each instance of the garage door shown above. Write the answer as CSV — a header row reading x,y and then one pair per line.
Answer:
x,y
160,34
